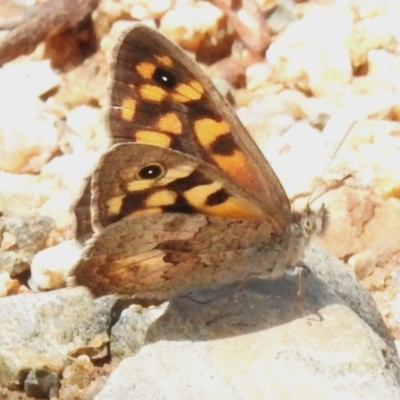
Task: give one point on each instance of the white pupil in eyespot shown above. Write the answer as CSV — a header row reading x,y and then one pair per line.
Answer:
x,y
150,172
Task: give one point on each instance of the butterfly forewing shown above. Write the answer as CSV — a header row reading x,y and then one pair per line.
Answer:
x,y
160,96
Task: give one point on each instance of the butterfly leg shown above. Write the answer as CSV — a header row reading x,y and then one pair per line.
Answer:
x,y
303,271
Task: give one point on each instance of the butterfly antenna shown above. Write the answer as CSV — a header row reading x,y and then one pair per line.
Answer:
x,y
340,182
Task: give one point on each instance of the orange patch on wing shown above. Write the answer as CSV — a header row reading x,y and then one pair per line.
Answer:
x,y
161,198
196,85
153,137
208,129
114,205
230,208
238,167
179,98
152,93
146,70
138,185
165,60
171,123
185,92
128,109
233,208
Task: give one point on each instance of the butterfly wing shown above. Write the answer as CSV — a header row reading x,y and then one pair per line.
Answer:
x,y
81,209
159,232
158,95
170,253
137,179
179,242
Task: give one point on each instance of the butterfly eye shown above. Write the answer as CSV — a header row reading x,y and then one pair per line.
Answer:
x,y
309,225
164,78
152,171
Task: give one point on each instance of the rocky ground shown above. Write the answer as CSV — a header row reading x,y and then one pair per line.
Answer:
x,y
317,84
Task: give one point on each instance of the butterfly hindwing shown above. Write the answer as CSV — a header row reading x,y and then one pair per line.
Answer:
x,y
171,253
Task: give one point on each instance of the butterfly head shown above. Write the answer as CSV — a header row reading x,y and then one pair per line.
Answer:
x,y
304,227
310,223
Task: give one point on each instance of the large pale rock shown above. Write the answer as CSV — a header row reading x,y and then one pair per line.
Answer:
x,y
265,343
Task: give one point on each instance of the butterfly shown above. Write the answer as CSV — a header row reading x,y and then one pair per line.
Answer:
x,y
184,198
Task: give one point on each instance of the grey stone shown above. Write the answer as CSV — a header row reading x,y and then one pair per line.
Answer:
x,y
41,383
48,326
17,362
266,343
129,332
29,235
341,281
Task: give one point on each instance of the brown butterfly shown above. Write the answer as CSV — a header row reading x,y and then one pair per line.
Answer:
x,y
189,200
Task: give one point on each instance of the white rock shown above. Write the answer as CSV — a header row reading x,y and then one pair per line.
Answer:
x,y
191,23
143,9
51,266
297,163
312,56
318,110
383,71
257,75
20,193
68,170
51,193
61,183
36,78
88,129
370,153
28,135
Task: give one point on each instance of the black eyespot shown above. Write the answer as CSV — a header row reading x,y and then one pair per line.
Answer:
x,y
164,78
151,171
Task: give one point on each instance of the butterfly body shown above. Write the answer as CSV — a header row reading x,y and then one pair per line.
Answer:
x,y
189,200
